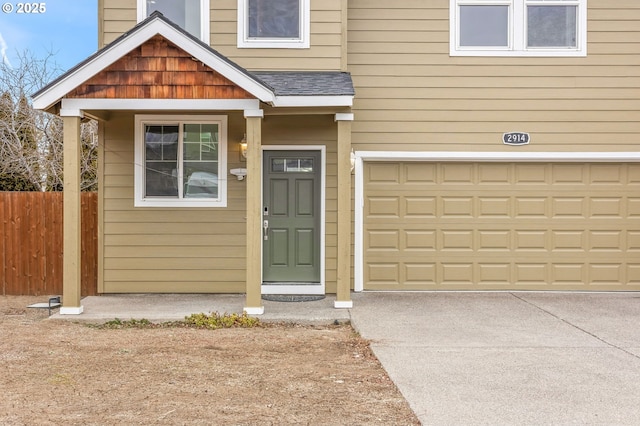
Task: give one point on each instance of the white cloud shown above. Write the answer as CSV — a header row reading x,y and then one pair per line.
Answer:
x,y
3,51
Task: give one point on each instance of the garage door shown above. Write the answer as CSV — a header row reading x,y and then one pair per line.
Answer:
x,y
501,226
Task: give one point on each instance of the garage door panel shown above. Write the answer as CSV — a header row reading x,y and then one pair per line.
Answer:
x,y
378,173
494,240
456,207
420,241
531,207
568,274
569,207
419,174
606,241
606,273
607,207
531,174
495,174
494,274
386,275
387,207
531,275
633,241
499,226
568,240
456,240
419,207
460,173
568,174
454,273
607,174
384,240
633,274
494,207
420,274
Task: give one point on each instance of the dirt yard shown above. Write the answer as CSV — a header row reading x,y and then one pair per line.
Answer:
x,y
58,372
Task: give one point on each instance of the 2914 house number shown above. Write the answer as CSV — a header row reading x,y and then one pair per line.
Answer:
x,y
516,138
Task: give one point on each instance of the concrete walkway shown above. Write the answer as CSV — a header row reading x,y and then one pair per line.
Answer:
x,y
468,358
173,307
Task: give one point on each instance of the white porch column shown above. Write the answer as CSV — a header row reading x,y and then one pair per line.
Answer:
x,y
71,272
343,293
253,303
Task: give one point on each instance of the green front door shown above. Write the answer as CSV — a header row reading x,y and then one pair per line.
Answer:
x,y
291,217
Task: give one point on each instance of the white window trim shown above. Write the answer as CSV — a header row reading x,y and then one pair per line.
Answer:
x,y
271,43
517,33
205,25
139,161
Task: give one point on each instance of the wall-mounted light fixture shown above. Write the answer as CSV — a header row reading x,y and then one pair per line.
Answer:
x,y
352,157
243,148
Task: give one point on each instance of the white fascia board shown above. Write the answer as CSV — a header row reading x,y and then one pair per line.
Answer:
x,y
253,113
141,35
313,101
72,112
344,116
500,156
160,104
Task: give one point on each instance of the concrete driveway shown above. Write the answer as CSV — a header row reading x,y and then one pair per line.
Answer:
x,y
509,358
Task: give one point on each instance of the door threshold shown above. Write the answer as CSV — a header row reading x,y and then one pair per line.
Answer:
x,y
292,288
306,284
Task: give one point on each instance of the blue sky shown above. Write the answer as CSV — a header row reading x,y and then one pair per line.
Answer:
x,y
67,28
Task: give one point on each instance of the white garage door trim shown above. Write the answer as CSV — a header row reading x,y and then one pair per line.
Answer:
x,y
442,156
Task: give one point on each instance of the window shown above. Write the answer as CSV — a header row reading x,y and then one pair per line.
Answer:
x,y
518,27
191,15
292,165
180,161
273,23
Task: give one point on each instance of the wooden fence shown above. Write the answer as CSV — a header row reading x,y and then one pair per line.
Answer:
x,y
31,243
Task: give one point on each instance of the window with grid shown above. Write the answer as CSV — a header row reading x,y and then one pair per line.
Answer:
x,y
180,161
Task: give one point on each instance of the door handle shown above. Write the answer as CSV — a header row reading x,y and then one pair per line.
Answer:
x,y
265,229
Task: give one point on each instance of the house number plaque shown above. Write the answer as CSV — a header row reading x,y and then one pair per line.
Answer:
x,y
516,138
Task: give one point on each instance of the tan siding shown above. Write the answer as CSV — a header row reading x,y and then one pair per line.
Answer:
x,y
412,94
194,250
326,35
119,17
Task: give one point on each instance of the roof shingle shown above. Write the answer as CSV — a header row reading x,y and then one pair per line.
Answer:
x,y
307,83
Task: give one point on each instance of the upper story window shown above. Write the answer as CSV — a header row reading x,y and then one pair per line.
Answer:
x,y
273,23
518,27
191,15
180,161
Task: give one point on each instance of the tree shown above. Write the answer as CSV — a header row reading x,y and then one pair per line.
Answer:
x,y
31,141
